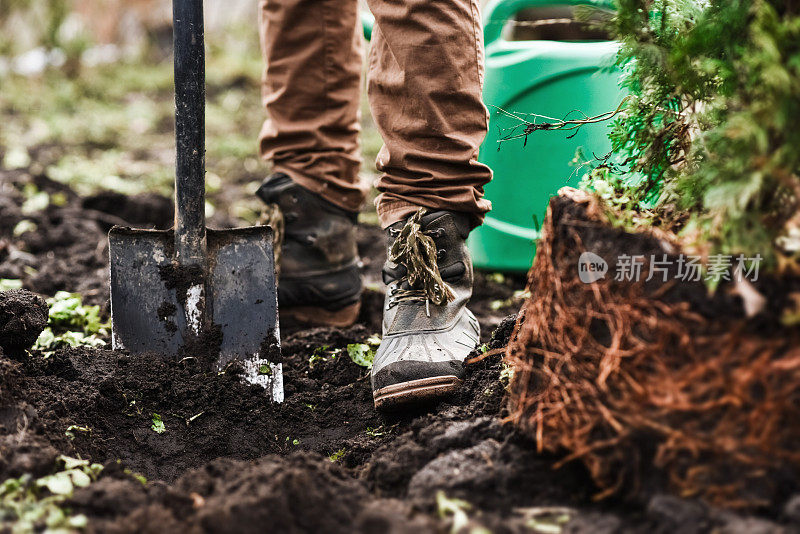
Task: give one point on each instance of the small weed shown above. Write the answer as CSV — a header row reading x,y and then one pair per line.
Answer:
x,y
7,284
158,424
140,478
380,431
71,324
133,405
48,342
23,227
72,429
457,510
34,505
68,312
546,520
497,278
361,354
16,158
322,354
35,201
507,374
336,456
514,300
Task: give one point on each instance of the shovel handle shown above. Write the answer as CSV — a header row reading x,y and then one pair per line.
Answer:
x,y
190,223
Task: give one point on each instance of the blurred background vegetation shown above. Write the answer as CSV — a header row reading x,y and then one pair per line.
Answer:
x,y
86,97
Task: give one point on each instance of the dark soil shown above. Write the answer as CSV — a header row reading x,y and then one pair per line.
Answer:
x,y
322,461
23,316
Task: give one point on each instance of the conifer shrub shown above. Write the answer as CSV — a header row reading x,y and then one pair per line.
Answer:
x,y
708,139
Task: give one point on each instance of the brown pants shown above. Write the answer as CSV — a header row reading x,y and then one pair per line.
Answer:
x,y
424,88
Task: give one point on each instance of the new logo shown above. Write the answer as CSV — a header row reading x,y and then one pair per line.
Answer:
x,y
591,267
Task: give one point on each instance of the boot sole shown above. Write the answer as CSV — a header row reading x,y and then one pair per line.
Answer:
x,y
418,391
311,316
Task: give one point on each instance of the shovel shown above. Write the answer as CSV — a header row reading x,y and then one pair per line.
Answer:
x,y
193,293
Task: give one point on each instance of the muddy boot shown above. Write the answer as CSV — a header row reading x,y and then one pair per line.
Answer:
x,y
427,329
319,283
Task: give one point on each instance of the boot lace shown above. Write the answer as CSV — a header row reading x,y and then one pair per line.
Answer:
x,y
416,251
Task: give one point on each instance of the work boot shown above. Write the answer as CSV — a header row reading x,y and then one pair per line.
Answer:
x,y
319,283
427,329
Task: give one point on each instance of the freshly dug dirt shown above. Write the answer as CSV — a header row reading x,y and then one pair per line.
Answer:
x,y
297,493
23,316
322,461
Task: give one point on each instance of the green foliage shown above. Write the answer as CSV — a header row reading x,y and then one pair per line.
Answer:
x,y
158,424
456,510
71,324
141,479
547,519
336,456
515,299
322,354
111,127
68,312
48,342
73,429
7,284
380,431
708,138
35,505
361,354
24,226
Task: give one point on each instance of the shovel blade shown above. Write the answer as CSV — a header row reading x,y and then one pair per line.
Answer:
x,y
240,299
243,302
144,313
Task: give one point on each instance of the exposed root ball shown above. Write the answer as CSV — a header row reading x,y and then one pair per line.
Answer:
x,y
651,384
23,316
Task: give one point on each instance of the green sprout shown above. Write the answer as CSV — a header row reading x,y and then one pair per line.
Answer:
x,y
336,456
158,424
72,429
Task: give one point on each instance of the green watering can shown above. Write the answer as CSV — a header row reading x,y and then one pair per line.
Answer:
x,y
561,70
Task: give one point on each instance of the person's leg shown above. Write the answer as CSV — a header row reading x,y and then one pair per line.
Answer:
x,y
311,91
426,71
424,87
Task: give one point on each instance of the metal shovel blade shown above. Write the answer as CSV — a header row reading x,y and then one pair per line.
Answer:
x,y
149,311
144,314
243,299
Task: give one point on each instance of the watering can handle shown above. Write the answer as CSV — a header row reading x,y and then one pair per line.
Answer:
x,y
498,12
190,224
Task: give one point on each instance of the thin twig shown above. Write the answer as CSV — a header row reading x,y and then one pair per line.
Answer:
x,y
563,124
